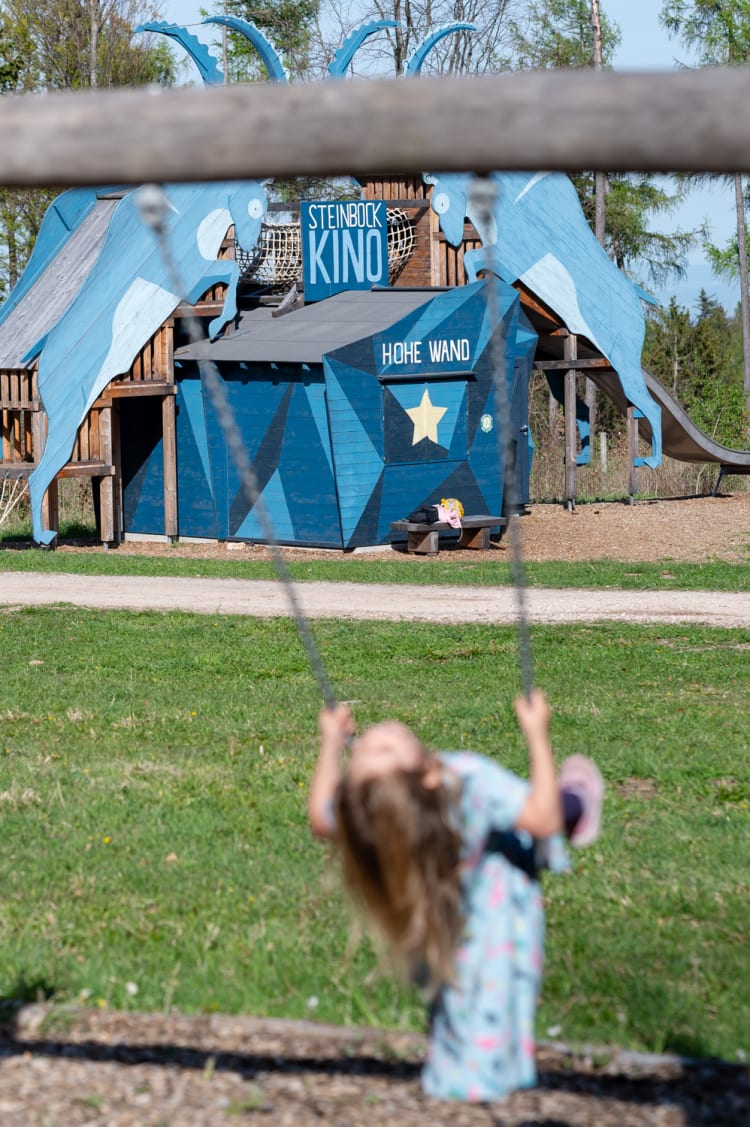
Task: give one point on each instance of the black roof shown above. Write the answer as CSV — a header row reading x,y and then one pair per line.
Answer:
x,y
306,334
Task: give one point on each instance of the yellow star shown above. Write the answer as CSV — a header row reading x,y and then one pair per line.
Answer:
x,y
425,418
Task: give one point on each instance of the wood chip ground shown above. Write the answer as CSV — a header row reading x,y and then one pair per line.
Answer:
x,y
82,1068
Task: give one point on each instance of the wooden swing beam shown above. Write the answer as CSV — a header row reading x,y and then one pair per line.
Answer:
x,y
694,120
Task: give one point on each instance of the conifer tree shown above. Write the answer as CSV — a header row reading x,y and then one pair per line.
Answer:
x,y
719,31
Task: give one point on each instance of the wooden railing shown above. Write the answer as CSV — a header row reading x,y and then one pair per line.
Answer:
x,y
564,120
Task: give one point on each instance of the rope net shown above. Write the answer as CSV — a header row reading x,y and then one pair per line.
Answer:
x,y
275,262
13,491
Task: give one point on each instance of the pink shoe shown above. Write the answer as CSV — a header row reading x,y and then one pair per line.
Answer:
x,y
582,777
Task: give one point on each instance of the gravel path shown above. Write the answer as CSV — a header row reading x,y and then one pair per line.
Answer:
x,y
374,601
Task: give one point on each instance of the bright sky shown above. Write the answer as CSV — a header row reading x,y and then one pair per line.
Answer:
x,y
645,46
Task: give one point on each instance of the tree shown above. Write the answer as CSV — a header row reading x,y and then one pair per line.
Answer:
x,y
719,30
463,52
574,34
631,239
600,178
563,34
290,25
700,361
63,45
725,261
668,346
75,44
560,35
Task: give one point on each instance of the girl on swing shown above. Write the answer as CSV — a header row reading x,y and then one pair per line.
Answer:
x,y
444,852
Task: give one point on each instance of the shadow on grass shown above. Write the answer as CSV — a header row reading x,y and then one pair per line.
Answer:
x,y
24,992
703,1092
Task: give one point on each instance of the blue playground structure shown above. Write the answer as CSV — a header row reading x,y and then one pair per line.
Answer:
x,y
353,338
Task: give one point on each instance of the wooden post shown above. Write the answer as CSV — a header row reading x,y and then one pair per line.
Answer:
x,y
435,249
117,500
5,426
50,505
632,432
106,489
169,432
603,452
570,353
38,428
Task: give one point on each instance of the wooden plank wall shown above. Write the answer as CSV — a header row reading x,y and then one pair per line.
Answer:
x,y
95,452
434,261
18,403
152,365
450,260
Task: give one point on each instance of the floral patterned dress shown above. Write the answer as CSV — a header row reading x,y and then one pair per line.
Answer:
x,y
482,1027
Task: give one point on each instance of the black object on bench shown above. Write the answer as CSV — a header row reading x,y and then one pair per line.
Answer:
x,y
422,539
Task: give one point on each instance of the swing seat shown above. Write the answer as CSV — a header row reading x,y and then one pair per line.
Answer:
x,y
424,539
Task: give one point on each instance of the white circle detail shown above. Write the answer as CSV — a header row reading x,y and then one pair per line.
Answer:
x,y
255,209
441,203
486,423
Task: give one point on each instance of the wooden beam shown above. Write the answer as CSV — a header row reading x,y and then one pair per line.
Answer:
x,y
134,391
530,301
202,309
16,469
690,120
73,469
87,469
563,365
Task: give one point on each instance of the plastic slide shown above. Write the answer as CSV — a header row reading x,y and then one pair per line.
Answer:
x,y
681,438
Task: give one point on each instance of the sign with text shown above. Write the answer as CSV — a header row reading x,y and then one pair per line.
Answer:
x,y
344,246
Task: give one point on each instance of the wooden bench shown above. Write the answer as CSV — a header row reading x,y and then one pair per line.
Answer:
x,y
423,539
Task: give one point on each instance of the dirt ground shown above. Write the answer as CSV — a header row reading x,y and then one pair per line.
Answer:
x,y
694,529
698,529
86,1068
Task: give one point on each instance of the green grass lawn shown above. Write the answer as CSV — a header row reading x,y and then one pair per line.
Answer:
x,y
446,568
155,854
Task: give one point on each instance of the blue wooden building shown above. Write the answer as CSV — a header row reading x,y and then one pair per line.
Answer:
x,y
354,410
356,407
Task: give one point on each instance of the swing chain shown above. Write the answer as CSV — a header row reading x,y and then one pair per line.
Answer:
x,y
483,195
154,206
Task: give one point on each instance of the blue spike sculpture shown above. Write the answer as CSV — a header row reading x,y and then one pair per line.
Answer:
x,y
198,52
422,50
348,49
126,297
538,235
270,57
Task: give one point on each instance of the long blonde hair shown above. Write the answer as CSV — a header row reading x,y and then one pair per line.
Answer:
x,y
400,849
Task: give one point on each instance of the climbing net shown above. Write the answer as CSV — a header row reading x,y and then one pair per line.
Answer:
x,y
13,490
275,262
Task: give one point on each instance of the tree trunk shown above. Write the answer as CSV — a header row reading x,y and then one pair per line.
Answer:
x,y
600,178
744,300
93,41
225,47
600,212
11,240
